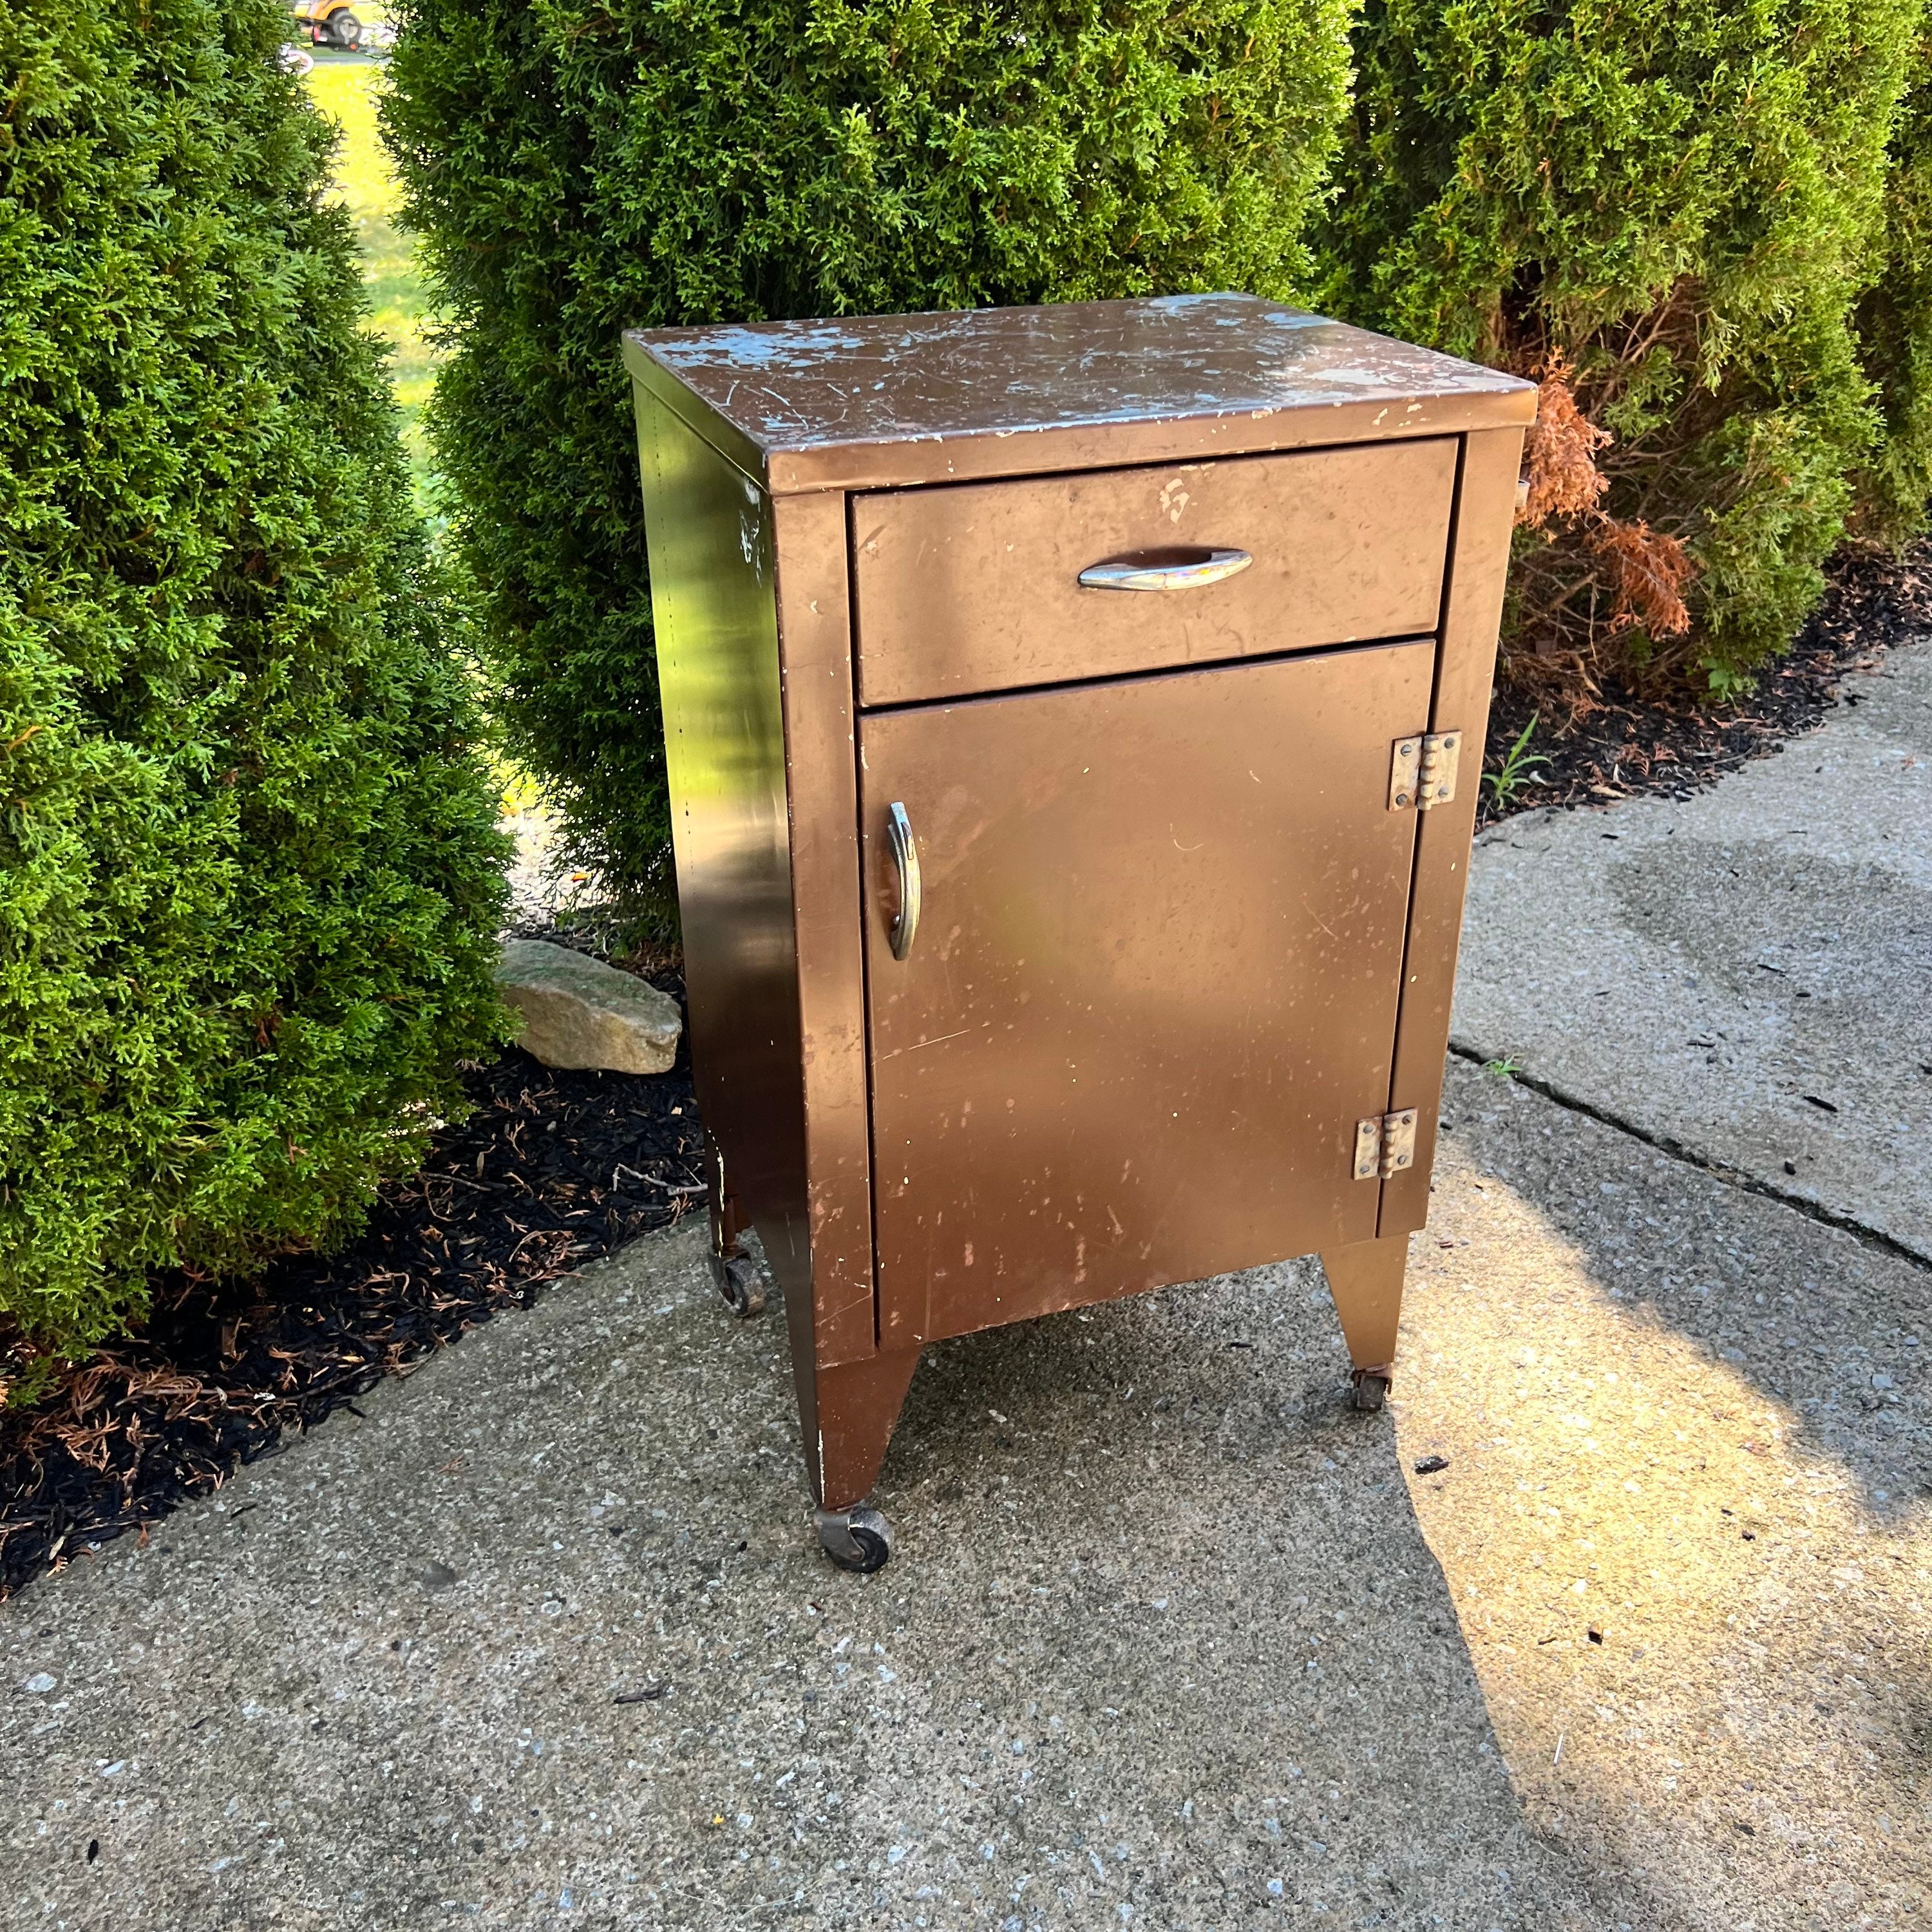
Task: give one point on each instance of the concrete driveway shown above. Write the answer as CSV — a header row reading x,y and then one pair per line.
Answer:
x,y
1172,1639
1746,977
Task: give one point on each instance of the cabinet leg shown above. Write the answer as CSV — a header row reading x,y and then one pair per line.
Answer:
x,y
1365,1280
734,1272
724,1222
847,1418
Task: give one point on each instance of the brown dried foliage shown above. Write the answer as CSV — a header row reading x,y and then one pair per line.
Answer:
x,y
1560,451
1650,570
1601,576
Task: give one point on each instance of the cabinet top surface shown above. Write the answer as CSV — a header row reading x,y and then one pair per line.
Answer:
x,y
881,400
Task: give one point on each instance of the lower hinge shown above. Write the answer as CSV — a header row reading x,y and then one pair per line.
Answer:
x,y
1422,770
1384,1145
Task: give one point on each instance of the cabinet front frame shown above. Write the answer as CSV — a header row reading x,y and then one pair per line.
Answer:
x,y
817,629
1475,568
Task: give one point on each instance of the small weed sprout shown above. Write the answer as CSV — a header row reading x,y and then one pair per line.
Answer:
x,y
1515,772
1503,1069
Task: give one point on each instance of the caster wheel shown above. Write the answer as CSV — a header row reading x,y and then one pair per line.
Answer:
x,y
741,1284
857,1539
1370,1392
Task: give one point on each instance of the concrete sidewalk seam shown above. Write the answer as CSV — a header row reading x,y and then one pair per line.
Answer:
x,y
1682,1150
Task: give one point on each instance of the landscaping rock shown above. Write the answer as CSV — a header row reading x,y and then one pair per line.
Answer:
x,y
578,1012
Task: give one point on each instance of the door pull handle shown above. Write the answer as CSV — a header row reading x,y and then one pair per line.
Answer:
x,y
905,857
1177,569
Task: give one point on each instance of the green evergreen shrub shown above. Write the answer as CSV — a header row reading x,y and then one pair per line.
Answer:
x,y
1894,326
249,880
581,166
1668,210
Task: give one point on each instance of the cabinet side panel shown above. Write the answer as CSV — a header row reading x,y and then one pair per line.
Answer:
x,y
1472,611
708,529
815,644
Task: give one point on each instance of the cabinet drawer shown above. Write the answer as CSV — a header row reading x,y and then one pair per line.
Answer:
x,y
976,587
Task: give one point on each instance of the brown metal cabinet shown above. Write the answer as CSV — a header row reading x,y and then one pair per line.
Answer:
x,y
1065,711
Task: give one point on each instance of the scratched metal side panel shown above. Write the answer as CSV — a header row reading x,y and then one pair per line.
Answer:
x,y
708,528
815,641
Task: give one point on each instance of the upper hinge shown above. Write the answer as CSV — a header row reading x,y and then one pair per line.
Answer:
x,y
1384,1145
1422,770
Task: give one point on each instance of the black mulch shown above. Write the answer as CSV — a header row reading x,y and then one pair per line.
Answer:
x,y
553,1170
1633,746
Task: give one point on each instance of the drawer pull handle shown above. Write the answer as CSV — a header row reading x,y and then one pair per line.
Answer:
x,y
1164,569
905,857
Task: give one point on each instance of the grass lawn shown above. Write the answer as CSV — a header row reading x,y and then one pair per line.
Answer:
x,y
345,88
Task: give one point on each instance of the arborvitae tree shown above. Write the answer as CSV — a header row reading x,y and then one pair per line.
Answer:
x,y
1894,327
581,166
249,881
1667,210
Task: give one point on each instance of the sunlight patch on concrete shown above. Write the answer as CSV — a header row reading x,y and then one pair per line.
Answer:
x,y
1702,1638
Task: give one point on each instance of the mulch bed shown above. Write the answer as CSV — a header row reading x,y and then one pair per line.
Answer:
x,y
555,1169
1628,745
552,1170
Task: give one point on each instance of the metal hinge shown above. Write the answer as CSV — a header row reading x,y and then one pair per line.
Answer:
x,y
1422,770
1384,1145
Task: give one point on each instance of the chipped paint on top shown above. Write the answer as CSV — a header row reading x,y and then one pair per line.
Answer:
x,y
1000,374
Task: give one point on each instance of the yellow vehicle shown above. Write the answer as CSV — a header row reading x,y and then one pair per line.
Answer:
x,y
332,23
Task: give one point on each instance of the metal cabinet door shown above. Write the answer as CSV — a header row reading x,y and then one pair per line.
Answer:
x,y
1153,984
